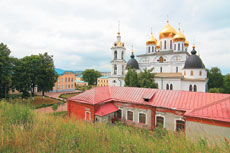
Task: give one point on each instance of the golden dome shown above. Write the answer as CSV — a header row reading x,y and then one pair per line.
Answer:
x,y
151,40
186,43
158,45
167,31
179,36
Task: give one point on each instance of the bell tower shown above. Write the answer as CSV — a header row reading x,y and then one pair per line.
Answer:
x,y
117,62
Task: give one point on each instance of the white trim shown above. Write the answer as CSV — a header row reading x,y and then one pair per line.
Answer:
x,y
127,115
156,119
89,115
145,117
177,119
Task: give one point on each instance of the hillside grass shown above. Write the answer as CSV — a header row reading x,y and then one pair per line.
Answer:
x,y
22,130
68,95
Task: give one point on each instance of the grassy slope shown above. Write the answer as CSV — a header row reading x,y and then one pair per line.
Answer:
x,y
68,95
23,131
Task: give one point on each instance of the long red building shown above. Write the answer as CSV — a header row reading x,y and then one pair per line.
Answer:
x,y
195,113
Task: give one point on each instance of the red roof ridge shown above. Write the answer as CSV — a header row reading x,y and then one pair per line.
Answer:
x,y
210,104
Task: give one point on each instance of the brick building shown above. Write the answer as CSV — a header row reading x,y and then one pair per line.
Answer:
x,y
195,113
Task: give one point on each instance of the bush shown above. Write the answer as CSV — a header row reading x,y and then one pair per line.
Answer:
x,y
55,107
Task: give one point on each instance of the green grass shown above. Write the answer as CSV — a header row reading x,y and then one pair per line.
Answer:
x,y
68,95
39,133
61,114
38,101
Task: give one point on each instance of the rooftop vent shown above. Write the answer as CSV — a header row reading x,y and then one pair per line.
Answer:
x,y
148,96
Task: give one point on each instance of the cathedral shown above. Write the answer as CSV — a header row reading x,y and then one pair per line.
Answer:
x,y
174,67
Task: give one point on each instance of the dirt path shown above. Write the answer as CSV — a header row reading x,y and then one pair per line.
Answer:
x,y
56,96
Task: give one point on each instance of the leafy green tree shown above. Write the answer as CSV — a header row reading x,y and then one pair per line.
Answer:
x,y
5,70
215,78
131,78
216,90
227,83
46,73
90,76
21,80
146,79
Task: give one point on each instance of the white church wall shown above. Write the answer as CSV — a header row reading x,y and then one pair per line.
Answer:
x,y
162,83
195,73
201,85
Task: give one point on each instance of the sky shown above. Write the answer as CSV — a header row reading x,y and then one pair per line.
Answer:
x,y
80,33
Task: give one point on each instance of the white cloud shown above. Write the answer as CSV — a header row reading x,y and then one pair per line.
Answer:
x,y
80,33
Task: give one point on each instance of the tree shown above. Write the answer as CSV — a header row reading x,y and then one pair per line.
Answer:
x,y
227,83
5,70
21,80
216,90
146,79
46,73
90,76
131,78
215,78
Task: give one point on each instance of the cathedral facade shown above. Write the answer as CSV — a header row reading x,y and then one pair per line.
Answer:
x,y
174,67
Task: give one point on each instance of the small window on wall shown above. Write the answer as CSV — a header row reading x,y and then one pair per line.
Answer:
x,y
174,46
115,55
129,115
190,87
165,45
195,88
184,72
159,121
122,55
182,47
152,48
191,72
160,69
170,44
167,87
180,125
178,46
171,87
119,112
142,118
149,49
176,69
200,72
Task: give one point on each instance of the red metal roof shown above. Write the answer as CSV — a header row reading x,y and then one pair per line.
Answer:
x,y
219,110
179,100
105,109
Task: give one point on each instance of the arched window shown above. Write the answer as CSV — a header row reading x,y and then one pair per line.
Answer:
x,y
122,69
115,55
161,70
191,72
195,88
167,87
182,46
190,87
171,87
152,48
176,69
161,59
174,46
115,69
200,72
161,45
165,45
178,46
122,55
184,72
170,44
149,49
